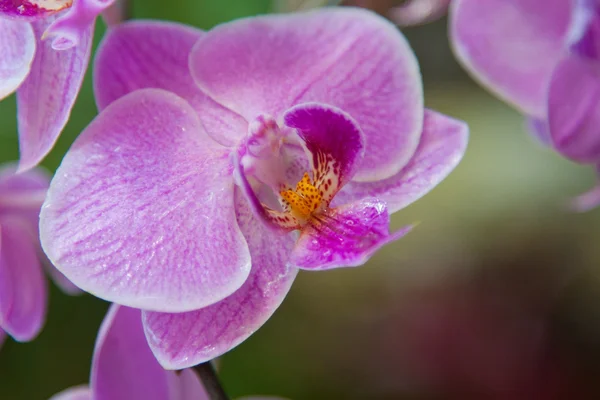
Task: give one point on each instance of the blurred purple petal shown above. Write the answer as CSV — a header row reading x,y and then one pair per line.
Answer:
x,y
511,46
189,386
345,236
22,284
82,392
345,57
32,10
123,365
22,195
539,129
417,12
17,48
584,34
73,27
2,337
141,210
574,109
185,339
152,54
587,201
442,146
334,140
46,97
61,280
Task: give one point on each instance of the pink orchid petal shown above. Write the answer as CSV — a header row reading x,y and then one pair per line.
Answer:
x,y
574,109
345,236
442,146
82,392
2,337
539,129
123,367
584,33
22,195
152,54
22,284
141,211
185,339
32,10
17,48
60,280
189,386
418,12
73,27
511,46
46,97
334,140
346,57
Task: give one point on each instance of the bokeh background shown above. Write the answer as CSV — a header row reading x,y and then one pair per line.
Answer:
x,y
496,294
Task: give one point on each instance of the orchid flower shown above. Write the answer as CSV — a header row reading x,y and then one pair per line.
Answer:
x,y
542,57
123,367
22,285
46,74
212,150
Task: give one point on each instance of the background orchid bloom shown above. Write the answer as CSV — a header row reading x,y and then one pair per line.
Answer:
x,y
145,209
44,51
416,12
123,367
22,285
540,56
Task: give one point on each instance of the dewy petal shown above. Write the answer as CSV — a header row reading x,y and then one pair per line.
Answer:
x,y
82,392
22,284
511,46
346,57
345,236
123,366
442,146
153,54
185,339
46,97
334,141
74,25
31,10
574,109
141,210
17,47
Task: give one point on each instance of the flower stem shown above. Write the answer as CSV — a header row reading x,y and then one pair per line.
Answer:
x,y
127,10
211,382
119,11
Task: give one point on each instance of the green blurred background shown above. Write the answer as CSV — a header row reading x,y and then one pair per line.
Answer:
x,y
493,296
